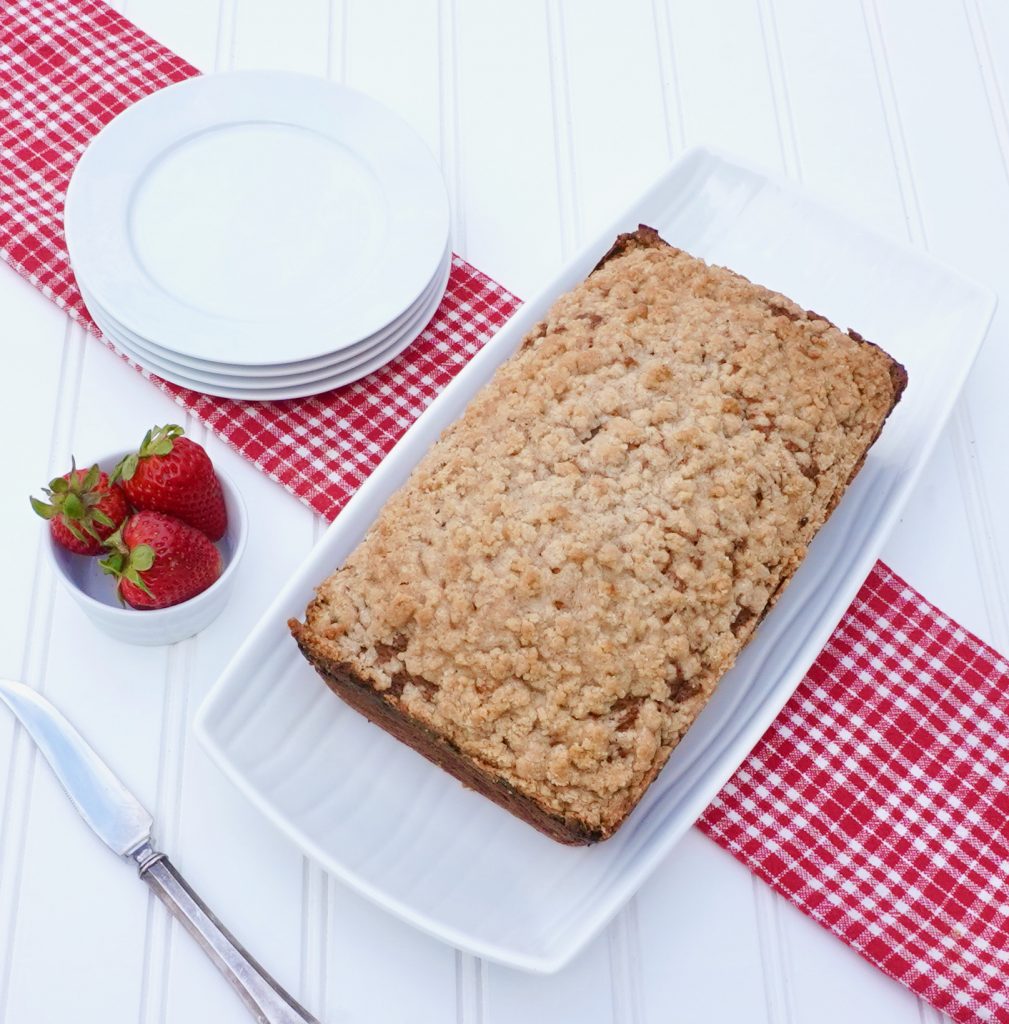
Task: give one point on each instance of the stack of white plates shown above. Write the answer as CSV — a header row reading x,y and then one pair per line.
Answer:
x,y
259,235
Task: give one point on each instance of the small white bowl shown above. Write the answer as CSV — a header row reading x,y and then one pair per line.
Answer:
x,y
95,591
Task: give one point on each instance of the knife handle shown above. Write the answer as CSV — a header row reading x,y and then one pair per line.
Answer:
x,y
269,1003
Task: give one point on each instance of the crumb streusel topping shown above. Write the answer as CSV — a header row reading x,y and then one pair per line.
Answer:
x,y
573,567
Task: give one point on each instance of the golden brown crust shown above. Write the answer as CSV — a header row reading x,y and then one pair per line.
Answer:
x,y
548,603
644,238
382,709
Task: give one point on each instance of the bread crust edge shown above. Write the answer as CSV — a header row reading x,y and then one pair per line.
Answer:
x,y
385,712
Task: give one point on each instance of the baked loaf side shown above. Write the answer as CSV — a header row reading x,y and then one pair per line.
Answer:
x,y
547,604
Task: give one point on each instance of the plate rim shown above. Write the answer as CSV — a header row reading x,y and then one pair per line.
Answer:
x,y
413,326
372,363
317,366
749,731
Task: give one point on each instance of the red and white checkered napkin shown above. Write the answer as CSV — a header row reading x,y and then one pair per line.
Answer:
x,y
876,802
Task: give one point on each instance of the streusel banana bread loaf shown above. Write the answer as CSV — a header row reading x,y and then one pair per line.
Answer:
x,y
547,604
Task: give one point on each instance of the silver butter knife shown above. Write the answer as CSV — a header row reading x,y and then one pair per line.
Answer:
x,y
124,826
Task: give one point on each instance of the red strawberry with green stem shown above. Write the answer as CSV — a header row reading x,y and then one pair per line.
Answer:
x,y
83,508
170,473
159,560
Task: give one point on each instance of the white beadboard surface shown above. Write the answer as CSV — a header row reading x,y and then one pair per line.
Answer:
x,y
547,116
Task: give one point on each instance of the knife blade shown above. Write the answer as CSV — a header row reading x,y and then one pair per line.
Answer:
x,y
123,824
113,812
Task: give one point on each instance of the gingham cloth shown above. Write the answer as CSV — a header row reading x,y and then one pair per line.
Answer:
x,y
877,800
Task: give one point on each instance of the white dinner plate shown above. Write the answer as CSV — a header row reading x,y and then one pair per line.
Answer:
x,y
283,375
407,835
259,390
256,217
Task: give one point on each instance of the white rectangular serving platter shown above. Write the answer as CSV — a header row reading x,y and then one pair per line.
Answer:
x,y
408,836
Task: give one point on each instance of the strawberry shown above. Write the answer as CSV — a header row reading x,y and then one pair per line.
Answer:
x,y
83,508
172,474
159,560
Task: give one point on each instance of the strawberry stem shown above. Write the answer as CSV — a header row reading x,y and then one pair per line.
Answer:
x,y
74,502
127,563
157,441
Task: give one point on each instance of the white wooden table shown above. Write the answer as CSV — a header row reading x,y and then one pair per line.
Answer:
x,y
547,117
